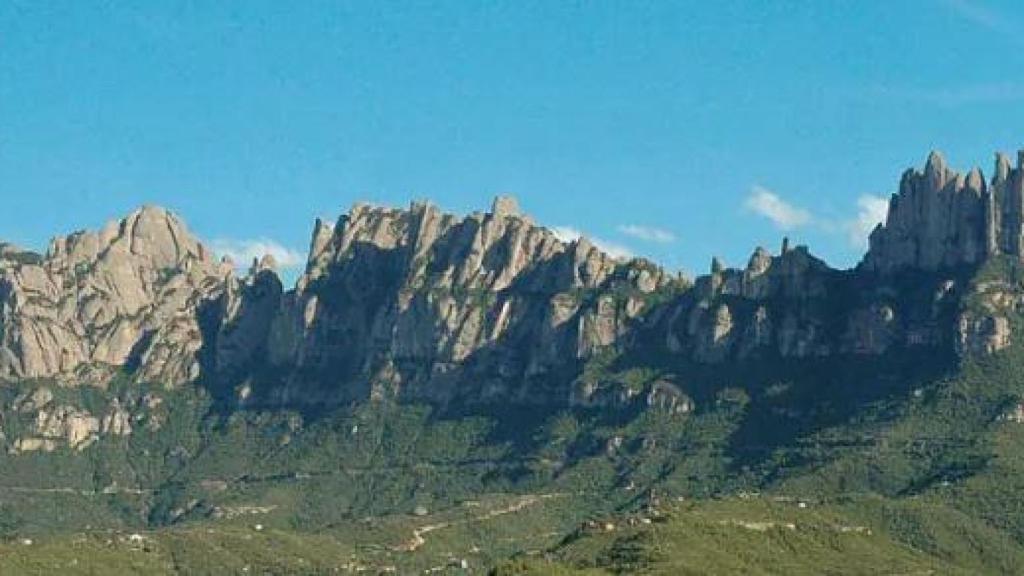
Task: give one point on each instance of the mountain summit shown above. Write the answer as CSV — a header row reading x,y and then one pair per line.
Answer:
x,y
127,295
417,303
942,219
431,373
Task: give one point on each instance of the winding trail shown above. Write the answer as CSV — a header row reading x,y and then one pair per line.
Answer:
x,y
418,539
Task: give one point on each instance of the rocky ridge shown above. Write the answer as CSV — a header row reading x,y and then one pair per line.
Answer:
x,y
909,291
943,219
127,295
417,303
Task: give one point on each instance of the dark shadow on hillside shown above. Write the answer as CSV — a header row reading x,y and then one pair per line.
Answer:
x,y
351,337
792,399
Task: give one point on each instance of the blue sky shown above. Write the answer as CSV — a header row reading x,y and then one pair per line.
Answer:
x,y
674,130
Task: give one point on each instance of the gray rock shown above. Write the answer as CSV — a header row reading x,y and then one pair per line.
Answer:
x,y
415,302
505,206
97,301
983,336
942,220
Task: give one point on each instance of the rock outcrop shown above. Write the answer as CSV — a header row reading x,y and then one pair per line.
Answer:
x,y
242,320
941,219
49,423
768,306
490,307
96,302
425,304
793,306
410,302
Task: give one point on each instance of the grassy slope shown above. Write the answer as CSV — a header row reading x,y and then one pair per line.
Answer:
x,y
747,536
908,453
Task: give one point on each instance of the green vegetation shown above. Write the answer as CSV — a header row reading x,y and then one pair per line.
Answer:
x,y
911,462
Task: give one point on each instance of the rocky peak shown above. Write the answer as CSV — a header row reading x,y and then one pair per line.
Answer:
x,y
151,235
489,306
100,300
936,172
759,262
479,251
322,233
265,263
505,206
408,299
1003,168
793,273
940,219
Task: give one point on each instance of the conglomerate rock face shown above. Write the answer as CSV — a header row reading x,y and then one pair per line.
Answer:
x,y
425,304
99,301
906,293
941,219
490,307
793,306
408,302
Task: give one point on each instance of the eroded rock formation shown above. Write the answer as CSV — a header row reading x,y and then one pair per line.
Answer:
x,y
421,303
942,219
417,303
127,295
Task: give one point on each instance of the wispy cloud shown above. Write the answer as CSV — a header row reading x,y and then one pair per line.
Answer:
x,y
243,251
871,211
570,234
647,233
782,214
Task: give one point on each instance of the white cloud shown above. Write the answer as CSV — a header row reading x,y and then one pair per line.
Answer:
x,y
871,211
647,233
784,215
242,252
570,234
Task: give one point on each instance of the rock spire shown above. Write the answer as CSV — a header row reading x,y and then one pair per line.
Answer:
x,y
942,219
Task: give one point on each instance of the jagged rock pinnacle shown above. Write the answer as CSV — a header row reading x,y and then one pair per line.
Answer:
x,y
505,206
940,219
935,170
936,162
975,180
266,262
98,298
1002,167
759,262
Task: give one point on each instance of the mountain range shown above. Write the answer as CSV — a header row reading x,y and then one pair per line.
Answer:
x,y
431,373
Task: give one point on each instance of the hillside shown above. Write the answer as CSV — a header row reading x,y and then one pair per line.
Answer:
x,y
474,393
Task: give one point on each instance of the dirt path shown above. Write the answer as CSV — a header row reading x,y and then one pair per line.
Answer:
x,y
418,539
77,492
